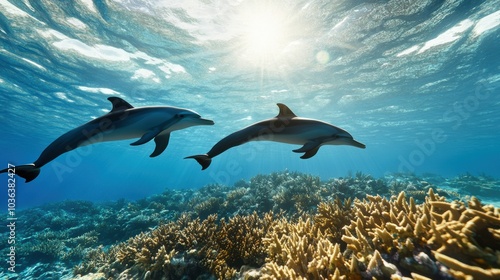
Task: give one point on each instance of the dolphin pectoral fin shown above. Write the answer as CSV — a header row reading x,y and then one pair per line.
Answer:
x,y
28,171
310,153
161,144
310,149
203,160
148,136
307,146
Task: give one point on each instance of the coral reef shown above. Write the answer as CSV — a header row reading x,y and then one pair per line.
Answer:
x,y
291,192
388,238
284,225
373,238
186,247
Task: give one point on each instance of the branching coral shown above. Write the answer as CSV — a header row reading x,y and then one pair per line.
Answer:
x,y
331,218
218,247
155,254
51,246
397,229
467,240
301,251
94,260
343,238
238,242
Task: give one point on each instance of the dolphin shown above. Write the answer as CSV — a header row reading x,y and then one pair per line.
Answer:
x,y
286,127
122,122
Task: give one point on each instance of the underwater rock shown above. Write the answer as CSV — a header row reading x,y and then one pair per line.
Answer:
x,y
420,263
91,276
249,273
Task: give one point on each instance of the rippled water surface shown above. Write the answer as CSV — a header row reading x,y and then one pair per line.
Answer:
x,y
416,81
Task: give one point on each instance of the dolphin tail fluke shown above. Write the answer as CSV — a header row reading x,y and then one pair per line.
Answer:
x,y
203,160
28,171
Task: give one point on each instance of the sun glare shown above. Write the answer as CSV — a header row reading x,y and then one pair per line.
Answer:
x,y
264,32
264,35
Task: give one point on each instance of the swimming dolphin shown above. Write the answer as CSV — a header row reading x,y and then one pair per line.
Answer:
x,y
122,122
286,127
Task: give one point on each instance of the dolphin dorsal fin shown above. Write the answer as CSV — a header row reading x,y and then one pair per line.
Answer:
x,y
285,112
119,104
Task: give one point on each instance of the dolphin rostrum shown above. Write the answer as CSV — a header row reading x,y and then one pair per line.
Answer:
x,y
122,122
286,127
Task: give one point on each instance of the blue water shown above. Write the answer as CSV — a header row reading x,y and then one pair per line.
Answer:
x,y
416,81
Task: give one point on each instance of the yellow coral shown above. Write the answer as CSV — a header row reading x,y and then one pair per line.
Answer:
x,y
343,240
301,251
462,270
397,224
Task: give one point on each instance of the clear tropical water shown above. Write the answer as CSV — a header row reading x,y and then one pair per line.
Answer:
x,y
416,81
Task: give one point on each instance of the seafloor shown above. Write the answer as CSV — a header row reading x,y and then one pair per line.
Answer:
x,y
283,225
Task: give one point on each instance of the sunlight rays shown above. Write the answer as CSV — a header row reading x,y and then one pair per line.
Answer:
x,y
264,34
267,32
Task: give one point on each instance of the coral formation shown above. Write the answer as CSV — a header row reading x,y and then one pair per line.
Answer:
x,y
187,247
389,237
284,225
362,239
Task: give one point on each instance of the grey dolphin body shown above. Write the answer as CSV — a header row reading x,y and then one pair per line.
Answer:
x,y
122,122
286,127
